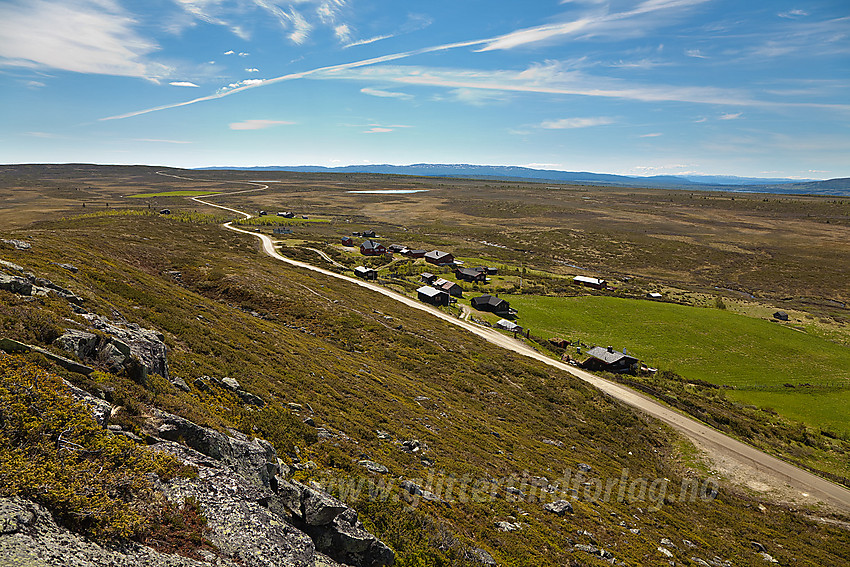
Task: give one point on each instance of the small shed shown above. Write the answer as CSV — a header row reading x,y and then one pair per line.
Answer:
x,y
439,258
449,287
286,214
594,283
491,303
427,277
347,241
396,247
365,273
372,248
165,212
780,316
368,234
610,360
508,326
654,295
432,295
470,275
415,253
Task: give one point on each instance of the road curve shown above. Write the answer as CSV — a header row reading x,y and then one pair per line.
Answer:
x,y
808,484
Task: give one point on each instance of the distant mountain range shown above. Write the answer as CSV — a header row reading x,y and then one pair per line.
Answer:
x,y
839,187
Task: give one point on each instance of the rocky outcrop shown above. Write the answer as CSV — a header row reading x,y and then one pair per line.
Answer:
x,y
128,340
10,345
242,525
29,536
333,526
253,459
18,244
30,285
119,346
256,517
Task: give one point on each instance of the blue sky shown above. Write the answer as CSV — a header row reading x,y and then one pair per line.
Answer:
x,y
636,87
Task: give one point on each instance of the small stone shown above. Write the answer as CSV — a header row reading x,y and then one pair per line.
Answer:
x,y
374,467
664,551
230,383
559,507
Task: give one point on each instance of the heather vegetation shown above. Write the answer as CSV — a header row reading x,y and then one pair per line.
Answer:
x,y
336,364
53,452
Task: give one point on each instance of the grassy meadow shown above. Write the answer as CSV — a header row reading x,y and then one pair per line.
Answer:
x,y
755,356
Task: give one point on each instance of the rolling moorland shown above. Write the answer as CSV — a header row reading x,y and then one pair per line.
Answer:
x,y
363,364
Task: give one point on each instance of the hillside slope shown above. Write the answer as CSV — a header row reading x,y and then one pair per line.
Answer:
x,y
392,387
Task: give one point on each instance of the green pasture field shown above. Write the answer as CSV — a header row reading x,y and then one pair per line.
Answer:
x,y
172,194
755,356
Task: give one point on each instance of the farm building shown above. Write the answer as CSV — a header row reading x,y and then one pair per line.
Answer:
x,y
487,270
365,273
433,296
594,283
491,303
449,287
427,277
346,241
396,247
609,360
508,326
372,248
415,253
368,234
470,275
439,258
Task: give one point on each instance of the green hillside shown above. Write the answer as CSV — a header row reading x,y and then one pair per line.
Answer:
x,y
357,363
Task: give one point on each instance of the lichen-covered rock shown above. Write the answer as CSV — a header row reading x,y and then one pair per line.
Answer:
x,y
81,343
15,284
242,527
30,537
130,340
254,459
559,507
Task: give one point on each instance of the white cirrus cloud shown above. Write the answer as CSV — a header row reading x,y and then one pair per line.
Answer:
x,y
599,21
791,14
378,130
182,84
569,123
258,124
731,116
367,41
84,36
252,70
230,52
385,94
651,135
695,53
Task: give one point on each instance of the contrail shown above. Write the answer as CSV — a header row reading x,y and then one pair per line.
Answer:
x,y
301,75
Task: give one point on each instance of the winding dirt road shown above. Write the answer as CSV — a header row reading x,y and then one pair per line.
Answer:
x,y
794,484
